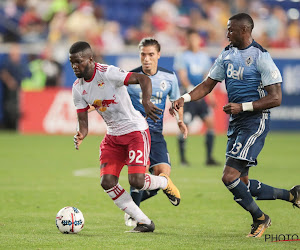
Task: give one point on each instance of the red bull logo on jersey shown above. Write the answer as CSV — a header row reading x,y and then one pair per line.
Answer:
x,y
102,105
100,84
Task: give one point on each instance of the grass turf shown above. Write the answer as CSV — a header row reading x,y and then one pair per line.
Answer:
x,y
41,174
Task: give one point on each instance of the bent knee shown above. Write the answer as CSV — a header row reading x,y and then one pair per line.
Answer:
x,y
136,180
108,181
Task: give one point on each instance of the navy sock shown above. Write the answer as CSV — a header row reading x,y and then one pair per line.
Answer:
x,y
181,143
264,192
148,194
136,195
243,197
209,141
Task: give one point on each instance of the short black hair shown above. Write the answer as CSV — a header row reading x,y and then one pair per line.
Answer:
x,y
149,41
78,47
243,17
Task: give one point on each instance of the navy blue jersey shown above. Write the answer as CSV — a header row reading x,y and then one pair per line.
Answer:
x,y
246,73
164,83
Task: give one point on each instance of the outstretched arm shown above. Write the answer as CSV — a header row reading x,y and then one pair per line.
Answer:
x,y
271,100
146,85
201,90
82,130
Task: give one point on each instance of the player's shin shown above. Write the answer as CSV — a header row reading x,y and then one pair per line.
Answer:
x,y
124,201
264,192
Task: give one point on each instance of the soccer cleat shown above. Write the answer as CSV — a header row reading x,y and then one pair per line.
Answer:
x,y
295,191
143,228
259,226
129,221
212,162
171,191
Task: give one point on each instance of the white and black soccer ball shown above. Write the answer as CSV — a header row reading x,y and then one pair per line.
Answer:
x,y
69,220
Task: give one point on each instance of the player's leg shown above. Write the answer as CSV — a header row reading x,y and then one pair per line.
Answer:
x,y
112,160
244,144
207,117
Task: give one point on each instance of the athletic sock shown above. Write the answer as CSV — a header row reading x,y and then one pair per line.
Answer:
x,y
209,142
124,201
243,197
136,195
264,192
154,182
148,194
181,143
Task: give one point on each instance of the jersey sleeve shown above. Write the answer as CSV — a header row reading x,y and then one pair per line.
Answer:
x,y
116,76
174,93
270,74
80,104
217,71
179,62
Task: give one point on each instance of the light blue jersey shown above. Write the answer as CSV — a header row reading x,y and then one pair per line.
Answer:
x,y
246,73
196,64
164,83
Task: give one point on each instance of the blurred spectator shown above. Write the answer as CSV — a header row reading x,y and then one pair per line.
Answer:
x,y
111,38
12,72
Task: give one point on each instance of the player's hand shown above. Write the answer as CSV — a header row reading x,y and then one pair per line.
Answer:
x,y
151,110
78,138
176,105
233,108
183,129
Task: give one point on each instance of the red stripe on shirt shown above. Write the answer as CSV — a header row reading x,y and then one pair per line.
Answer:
x,y
93,75
127,78
83,110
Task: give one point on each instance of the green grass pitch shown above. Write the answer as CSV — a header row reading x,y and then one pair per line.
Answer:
x,y
41,174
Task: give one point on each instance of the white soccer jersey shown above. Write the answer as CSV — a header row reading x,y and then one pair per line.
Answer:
x,y
106,91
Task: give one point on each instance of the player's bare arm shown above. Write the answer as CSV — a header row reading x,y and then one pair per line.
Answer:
x,y
82,130
150,109
183,128
201,90
271,100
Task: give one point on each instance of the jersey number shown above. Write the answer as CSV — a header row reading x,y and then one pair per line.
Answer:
x,y
237,147
137,156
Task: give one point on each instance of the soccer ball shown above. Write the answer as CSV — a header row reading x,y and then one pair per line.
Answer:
x,y
69,220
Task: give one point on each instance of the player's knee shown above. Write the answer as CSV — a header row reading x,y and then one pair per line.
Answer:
x,y
108,181
136,180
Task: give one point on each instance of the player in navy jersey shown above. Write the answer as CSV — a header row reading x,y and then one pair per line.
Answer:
x,y
192,66
253,84
164,84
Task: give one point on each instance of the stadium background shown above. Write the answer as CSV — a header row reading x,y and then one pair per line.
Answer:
x,y
44,31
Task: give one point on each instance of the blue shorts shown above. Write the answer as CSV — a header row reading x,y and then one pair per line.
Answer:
x,y
158,152
197,108
247,137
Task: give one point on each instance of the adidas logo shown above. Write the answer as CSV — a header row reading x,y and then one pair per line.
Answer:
x,y
84,92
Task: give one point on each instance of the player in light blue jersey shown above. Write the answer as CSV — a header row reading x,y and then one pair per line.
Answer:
x,y
253,84
192,66
164,84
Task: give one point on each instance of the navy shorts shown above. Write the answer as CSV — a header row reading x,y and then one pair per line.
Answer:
x,y
197,108
246,139
158,152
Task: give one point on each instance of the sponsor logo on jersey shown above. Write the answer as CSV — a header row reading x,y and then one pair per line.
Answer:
x,y
235,74
102,105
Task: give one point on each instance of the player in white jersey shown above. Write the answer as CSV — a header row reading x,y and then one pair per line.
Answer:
x,y
127,141
253,84
164,84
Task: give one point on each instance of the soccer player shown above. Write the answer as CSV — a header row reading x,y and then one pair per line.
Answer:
x,y
192,66
164,83
127,140
253,84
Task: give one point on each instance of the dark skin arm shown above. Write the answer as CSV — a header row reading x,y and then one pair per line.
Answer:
x,y
271,100
146,85
82,130
197,93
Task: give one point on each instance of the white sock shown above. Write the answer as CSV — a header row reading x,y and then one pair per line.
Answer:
x,y
124,201
154,182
